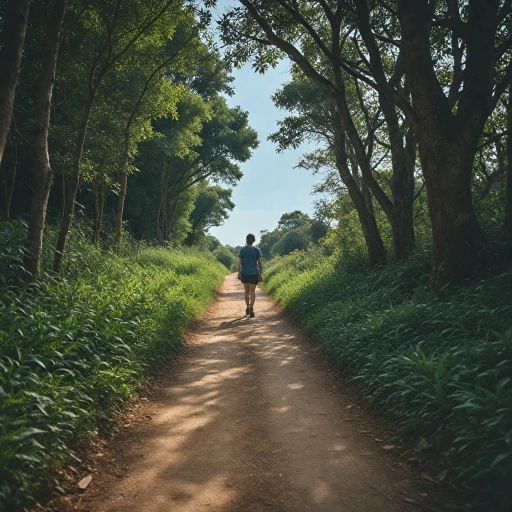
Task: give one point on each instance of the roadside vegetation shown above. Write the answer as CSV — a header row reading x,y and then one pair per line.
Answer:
x,y
72,349
438,365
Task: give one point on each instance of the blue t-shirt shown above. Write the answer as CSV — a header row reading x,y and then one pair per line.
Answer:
x,y
249,256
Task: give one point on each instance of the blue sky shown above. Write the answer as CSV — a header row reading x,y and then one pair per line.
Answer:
x,y
270,186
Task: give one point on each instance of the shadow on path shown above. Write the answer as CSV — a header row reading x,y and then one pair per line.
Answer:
x,y
250,423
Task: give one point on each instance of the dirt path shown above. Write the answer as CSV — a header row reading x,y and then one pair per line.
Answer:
x,y
250,422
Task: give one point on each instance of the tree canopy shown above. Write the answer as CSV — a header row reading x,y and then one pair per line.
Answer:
x,y
120,112
412,83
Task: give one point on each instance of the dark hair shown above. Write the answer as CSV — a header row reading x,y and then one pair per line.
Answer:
x,y
250,238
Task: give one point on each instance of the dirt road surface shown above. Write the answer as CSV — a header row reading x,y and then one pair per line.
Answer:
x,y
250,421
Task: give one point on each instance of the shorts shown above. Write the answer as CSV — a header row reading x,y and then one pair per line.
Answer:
x,y
249,279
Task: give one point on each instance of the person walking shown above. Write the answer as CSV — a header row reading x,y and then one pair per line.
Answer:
x,y
249,271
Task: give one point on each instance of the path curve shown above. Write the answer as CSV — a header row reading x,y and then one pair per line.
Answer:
x,y
251,422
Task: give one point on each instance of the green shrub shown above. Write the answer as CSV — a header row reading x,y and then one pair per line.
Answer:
x,y
440,366
224,256
291,241
71,350
317,230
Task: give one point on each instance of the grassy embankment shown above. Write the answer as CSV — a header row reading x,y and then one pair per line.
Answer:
x,y
439,365
72,350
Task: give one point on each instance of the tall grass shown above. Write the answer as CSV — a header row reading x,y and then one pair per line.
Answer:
x,y
439,366
72,349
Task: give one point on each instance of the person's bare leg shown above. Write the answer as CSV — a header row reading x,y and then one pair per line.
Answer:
x,y
247,289
253,294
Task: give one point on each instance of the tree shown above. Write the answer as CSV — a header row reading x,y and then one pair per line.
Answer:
x,y
292,240
276,25
43,174
12,38
447,115
293,220
114,28
318,230
316,119
508,199
295,231
267,241
155,96
211,209
225,138
449,127
225,256
165,154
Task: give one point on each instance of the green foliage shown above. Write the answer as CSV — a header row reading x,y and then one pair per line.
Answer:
x,y
71,350
440,366
12,237
211,208
295,231
292,240
317,231
200,146
158,115
225,256
293,220
267,241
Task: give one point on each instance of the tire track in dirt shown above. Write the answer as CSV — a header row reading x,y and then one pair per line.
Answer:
x,y
249,421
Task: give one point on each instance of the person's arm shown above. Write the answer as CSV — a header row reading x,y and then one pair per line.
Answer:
x,y
259,266
239,265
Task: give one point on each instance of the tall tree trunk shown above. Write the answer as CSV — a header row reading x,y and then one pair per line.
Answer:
x,y
43,175
123,186
173,208
72,188
376,250
448,141
458,241
123,178
401,220
368,199
508,199
374,243
371,233
98,193
400,212
161,206
9,181
402,191
11,50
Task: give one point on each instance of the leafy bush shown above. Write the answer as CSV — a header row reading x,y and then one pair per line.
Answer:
x,y
317,230
295,231
291,241
72,349
440,366
225,256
